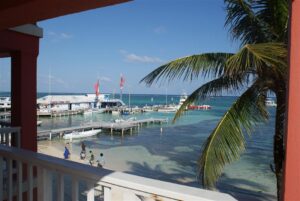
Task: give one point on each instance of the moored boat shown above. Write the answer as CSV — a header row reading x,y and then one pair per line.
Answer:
x,y
270,102
115,112
5,104
167,109
199,107
82,134
39,123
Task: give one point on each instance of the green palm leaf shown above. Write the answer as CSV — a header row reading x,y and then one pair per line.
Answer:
x,y
275,13
189,68
211,88
243,22
227,142
258,58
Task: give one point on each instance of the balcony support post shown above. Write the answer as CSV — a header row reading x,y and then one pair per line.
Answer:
x,y
291,184
24,97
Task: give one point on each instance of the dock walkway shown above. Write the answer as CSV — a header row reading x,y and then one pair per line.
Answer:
x,y
122,127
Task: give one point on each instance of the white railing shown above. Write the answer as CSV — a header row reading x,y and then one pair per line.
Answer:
x,y
75,181
8,133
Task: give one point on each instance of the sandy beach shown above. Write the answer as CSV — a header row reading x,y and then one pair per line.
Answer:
x,y
126,161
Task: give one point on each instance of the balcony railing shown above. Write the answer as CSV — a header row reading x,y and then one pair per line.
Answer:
x,y
8,133
59,179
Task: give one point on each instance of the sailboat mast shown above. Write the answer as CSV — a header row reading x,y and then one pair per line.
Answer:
x,y
49,83
166,96
129,99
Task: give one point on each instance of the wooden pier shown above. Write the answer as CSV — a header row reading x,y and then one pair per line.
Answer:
x,y
120,127
59,113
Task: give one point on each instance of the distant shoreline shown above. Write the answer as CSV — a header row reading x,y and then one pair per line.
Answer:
x,y
82,93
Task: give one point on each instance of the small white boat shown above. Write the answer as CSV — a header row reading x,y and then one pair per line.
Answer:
x,y
270,102
167,109
88,112
39,123
98,110
147,109
119,120
94,110
83,134
115,112
5,103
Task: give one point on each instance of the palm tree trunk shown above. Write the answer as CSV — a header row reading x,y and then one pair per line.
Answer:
x,y
279,148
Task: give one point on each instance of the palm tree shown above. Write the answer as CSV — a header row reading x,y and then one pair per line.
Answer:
x,y
258,67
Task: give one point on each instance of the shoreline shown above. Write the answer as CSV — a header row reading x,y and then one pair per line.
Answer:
x,y
141,163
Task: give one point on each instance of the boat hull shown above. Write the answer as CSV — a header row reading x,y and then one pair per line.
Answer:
x,y
84,134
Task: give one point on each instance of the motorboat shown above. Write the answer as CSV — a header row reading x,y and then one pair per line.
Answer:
x,y
183,98
82,134
147,109
168,109
39,123
94,110
5,103
199,107
117,112
270,102
98,110
119,120
88,112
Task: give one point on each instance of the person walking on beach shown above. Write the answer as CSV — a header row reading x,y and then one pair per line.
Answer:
x,y
101,161
82,147
82,153
92,158
66,153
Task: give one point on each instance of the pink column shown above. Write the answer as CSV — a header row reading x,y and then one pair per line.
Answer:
x,y
23,85
291,186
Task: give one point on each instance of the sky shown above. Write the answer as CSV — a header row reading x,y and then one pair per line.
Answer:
x,y
131,39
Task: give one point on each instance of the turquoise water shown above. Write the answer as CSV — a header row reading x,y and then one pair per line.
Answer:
x,y
172,155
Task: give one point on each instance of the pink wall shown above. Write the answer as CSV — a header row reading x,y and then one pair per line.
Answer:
x,y
292,164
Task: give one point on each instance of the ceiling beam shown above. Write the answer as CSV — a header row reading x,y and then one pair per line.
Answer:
x,y
18,12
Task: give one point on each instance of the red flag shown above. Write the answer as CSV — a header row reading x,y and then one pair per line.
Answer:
x,y
96,86
122,81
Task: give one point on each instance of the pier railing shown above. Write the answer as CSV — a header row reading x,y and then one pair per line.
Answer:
x,y
59,179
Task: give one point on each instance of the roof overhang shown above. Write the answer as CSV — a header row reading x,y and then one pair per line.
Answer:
x,y
18,12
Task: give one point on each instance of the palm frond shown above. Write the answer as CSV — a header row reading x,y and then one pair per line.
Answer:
x,y
259,58
257,21
243,23
211,88
189,68
227,141
276,14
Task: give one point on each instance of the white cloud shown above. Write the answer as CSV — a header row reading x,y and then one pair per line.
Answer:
x,y
65,35
131,57
54,36
160,30
143,59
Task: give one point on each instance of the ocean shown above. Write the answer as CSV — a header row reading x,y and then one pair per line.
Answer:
x,y
171,155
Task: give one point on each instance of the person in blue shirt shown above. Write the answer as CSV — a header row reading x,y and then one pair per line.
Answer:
x,y
66,153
